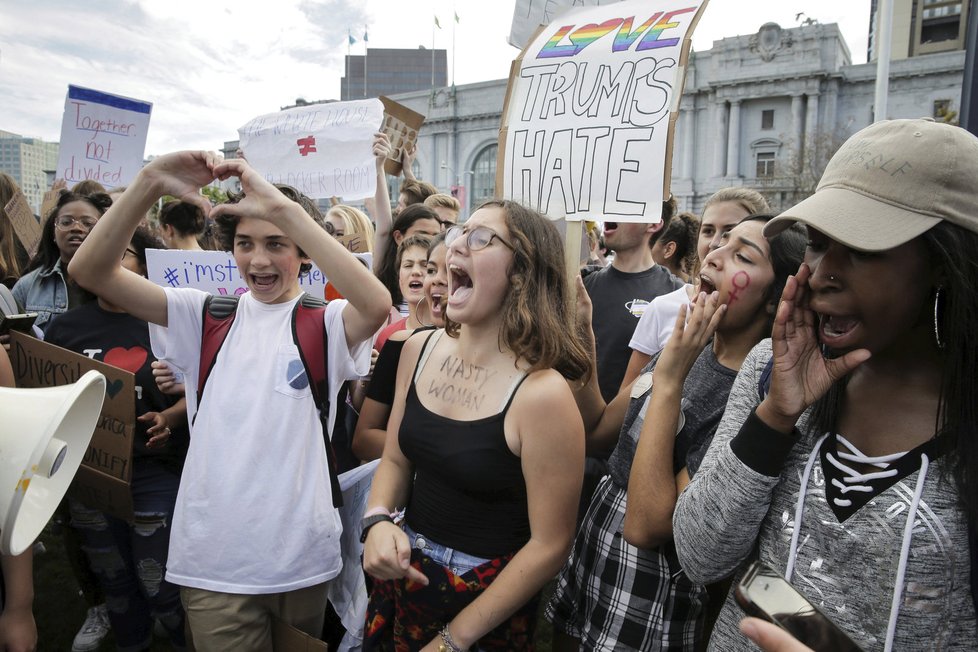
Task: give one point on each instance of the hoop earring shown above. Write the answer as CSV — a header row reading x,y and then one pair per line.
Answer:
x,y
938,308
417,312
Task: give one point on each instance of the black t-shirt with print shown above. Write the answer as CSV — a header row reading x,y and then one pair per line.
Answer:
x,y
619,299
121,340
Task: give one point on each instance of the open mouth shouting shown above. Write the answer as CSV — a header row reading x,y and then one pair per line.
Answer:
x,y
262,282
835,331
706,285
459,285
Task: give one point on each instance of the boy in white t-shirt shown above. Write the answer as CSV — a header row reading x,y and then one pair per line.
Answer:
x,y
255,533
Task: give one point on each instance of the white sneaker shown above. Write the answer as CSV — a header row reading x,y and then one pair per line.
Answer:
x,y
92,631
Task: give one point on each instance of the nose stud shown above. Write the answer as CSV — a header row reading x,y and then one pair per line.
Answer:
x,y
831,278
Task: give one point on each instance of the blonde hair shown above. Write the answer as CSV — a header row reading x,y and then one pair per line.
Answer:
x,y
356,222
747,198
442,200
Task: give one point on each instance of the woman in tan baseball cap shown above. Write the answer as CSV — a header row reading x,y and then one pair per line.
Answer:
x,y
847,455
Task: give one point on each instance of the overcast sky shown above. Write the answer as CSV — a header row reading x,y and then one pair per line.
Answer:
x,y
209,66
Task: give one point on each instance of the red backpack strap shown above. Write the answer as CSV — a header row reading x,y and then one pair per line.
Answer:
x,y
219,312
309,333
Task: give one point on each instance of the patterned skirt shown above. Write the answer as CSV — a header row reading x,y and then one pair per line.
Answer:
x,y
403,616
614,596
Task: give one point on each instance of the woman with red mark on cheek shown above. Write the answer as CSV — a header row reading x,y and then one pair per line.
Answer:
x,y
740,270
658,427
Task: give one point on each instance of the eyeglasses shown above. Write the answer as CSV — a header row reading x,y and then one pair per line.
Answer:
x,y
476,239
129,251
65,222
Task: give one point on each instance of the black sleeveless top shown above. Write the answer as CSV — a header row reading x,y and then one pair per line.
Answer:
x,y
469,493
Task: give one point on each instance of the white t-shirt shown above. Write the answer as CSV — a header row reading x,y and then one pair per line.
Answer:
x,y
254,513
658,321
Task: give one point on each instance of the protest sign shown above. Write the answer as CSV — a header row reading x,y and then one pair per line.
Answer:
x,y
591,109
22,219
103,137
103,479
321,150
528,15
401,125
217,273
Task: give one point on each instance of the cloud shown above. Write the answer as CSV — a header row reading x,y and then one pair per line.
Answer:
x,y
207,67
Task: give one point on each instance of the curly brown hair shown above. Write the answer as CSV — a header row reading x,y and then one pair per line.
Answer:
x,y
538,311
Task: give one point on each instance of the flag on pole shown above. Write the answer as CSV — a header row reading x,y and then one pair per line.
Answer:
x,y
350,36
365,35
456,16
437,24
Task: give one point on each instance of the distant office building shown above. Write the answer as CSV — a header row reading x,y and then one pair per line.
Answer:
x,y
386,71
28,161
922,27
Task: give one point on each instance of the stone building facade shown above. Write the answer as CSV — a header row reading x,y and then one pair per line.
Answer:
x,y
764,110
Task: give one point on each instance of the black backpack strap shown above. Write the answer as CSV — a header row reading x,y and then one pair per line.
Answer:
x,y
309,334
218,315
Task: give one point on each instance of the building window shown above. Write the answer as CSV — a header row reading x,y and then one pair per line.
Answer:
x,y
941,109
484,175
767,119
765,165
394,183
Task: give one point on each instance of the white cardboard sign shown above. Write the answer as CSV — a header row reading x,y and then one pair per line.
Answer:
x,y
591,106
103,137
321,150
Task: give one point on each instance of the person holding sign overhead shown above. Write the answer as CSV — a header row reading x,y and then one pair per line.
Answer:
x,y
255,534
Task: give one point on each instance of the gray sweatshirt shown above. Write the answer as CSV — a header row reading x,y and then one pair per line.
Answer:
x,y
748,492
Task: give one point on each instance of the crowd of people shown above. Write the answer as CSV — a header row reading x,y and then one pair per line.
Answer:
x,y
609,452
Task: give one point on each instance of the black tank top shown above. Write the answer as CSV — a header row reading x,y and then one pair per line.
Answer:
x,y
469,493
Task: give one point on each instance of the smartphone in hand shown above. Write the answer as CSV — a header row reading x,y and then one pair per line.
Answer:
x,y
20,323
764,593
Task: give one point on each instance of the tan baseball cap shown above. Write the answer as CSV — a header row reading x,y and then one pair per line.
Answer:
x,y
891,182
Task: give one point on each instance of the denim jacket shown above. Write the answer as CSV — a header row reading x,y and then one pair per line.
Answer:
x,y
43,291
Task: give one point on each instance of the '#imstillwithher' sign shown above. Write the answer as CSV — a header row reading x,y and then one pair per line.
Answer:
x,y
590,110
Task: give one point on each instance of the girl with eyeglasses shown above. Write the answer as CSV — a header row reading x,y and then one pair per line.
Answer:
x,y
46,288
485,448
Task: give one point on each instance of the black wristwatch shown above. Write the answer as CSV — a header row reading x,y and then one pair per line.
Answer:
x,y
370,521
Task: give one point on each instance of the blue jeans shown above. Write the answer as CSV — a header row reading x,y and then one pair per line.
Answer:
x,y
130,560
456,561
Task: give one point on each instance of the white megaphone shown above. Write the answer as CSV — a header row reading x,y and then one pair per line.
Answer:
x,y
44,434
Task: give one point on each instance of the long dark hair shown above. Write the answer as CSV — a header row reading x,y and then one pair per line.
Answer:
x,y
387,270
48,253
952,251
787,253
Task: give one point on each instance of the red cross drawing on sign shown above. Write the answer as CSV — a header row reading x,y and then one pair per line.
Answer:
x,y
306,145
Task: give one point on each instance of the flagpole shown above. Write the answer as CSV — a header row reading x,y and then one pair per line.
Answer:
x,y
433,53
364,62
454,23
349,38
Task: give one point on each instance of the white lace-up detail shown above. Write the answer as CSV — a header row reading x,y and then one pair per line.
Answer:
x,y
855,481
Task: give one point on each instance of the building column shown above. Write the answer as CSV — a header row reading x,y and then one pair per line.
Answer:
x,y
720,138
797,127
689,137
811,129
733,140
